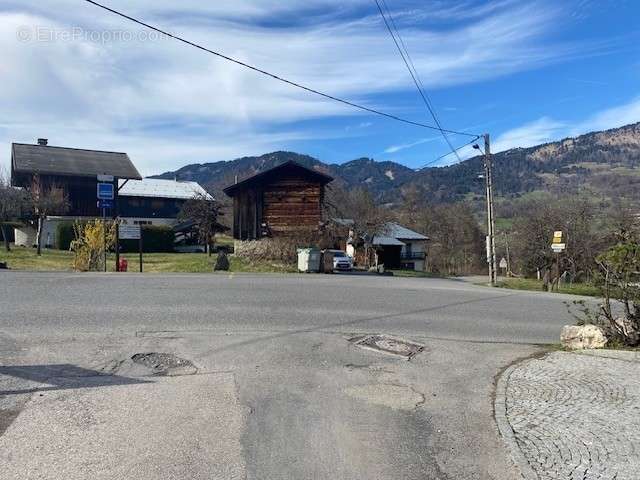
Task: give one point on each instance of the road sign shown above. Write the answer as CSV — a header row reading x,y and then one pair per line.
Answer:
x,y
105,191
129,232
557,238
105,178
558,247
503,263
105,204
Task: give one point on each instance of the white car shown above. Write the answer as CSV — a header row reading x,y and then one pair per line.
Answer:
x,y
342,261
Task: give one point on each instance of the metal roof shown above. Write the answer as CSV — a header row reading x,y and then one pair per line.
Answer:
x,y
152,187
395,234
44,159
396,230
385,240
319,176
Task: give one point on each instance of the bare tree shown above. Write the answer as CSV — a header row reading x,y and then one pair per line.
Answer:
x,y
13,206
456,241
358,205
46,199
204,212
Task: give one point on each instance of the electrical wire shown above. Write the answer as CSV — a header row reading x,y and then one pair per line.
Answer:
x,y
271,75
406,58
447,154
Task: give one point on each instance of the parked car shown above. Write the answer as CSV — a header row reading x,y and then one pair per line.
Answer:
x,y
342,261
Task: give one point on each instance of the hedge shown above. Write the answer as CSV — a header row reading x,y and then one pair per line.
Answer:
x,y
7,229
64,235
155,239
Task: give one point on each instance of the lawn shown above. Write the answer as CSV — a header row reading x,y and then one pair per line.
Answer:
x,y
21,258
415,274
531,284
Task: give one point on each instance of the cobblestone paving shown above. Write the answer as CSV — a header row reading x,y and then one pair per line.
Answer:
x,y
574,416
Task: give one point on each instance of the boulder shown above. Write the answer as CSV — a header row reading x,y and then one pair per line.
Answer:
x,y
222,262
578,337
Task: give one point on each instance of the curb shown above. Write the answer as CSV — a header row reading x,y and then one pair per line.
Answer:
x,y
500,413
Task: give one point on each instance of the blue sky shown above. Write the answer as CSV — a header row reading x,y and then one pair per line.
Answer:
x,y
526,72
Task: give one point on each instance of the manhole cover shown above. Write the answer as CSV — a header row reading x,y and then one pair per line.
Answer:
x,y
389,345
164,363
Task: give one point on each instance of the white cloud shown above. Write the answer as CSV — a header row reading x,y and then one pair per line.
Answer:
x,y
113,94
540,131
404,146
612,117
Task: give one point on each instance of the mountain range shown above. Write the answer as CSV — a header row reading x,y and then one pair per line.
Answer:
x,y
602,162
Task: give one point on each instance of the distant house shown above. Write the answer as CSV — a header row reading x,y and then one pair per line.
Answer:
x,y
138,201
283,201
396,247
400,247
74,170
155,202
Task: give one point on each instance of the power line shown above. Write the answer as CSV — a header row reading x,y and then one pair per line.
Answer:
x,y
406,58
447,154
268,74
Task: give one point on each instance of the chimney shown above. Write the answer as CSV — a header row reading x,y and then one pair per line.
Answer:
x,y
43,142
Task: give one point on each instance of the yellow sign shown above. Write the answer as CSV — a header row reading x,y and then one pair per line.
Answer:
x,y
557,234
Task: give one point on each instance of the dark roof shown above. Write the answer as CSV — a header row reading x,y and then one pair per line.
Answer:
x,y
273,172
44,159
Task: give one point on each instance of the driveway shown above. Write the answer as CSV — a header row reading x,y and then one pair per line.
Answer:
x,y
281,390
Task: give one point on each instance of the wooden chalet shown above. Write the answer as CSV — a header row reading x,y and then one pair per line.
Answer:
x,y
283,201
72,169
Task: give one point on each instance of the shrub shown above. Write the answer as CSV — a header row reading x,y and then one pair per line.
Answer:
x,y
618,314
64,235
282,250
155,239
91,238
268,249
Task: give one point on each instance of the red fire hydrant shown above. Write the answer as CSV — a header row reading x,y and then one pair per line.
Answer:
x,y
123,265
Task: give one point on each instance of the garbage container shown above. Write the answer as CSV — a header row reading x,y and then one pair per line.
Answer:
x,y
327,262
308,260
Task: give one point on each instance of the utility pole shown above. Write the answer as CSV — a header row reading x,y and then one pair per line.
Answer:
x,y
491,224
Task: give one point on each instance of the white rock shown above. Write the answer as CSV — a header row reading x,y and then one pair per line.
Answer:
x,y
578,337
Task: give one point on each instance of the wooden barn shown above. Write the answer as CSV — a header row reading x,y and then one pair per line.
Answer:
x,y
283,201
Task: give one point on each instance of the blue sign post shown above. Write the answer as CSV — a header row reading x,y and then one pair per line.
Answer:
x,y
105,200
105,191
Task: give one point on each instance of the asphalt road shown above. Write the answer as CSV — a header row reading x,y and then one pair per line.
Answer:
x,y
280,392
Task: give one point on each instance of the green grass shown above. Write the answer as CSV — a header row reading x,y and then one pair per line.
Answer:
x,y
415,274
536,285
21,258
504,224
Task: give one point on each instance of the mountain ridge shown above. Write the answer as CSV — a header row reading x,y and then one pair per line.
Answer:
x,y
598,160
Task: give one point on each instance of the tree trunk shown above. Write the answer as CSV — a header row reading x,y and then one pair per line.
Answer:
x,y
39,236
5,236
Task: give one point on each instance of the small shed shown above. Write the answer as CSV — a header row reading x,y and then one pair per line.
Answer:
x,y
284,201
